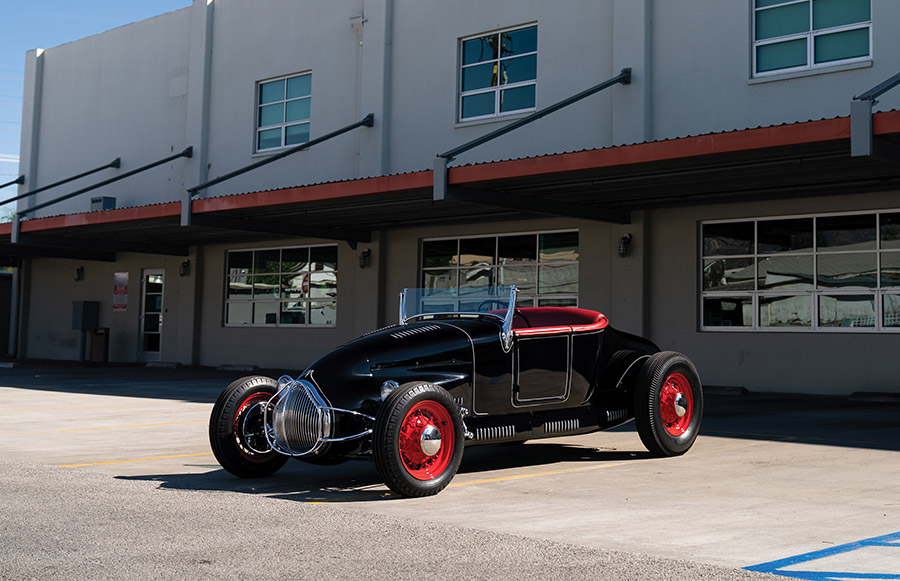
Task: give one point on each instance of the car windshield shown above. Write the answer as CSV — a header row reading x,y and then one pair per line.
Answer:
x,y
475,301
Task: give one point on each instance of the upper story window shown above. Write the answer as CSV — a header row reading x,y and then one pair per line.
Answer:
x,y
282,112
796,35
498,73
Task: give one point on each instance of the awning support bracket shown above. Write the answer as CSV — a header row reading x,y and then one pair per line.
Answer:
x,y
863,142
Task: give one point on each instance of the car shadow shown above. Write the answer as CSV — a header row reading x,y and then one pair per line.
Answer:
x,y
358,481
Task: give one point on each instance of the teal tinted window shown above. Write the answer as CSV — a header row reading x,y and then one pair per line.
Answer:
x,y
296,134
479,50
271,114
842,45
271,92
830,13
490,64
782,21
518,69
781,55
268,139
519,41
517,99
479,77
299,86
282,104
478,105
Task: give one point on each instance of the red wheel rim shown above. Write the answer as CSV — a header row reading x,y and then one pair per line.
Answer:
x,y
423,415
676,404
252,446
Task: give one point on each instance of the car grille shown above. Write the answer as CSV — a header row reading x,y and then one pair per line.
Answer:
x,y
300,419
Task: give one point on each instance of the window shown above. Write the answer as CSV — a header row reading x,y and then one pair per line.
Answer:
x,y
543,266
282,112
834,272
498,73
793,35
279,287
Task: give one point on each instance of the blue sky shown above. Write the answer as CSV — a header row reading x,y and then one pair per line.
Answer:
x,y
29,24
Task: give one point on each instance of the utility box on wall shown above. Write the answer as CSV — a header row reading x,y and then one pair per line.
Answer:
x,y
85,315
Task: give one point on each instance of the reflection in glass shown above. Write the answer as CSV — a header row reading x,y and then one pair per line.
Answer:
x,y
294,259
830,13
785,235
479,77
239,287
299,86
782,21
891,309
846,232
267,261
295,134
240,262
787,311
476,277
571,302
728,239
154,283
439,279
293,313
153,304
151,323
474,251
842,45
519,41
890,231
478,105
786,272
559,246
323,313
268,139
271,114
522,277
728,311
781,55
238,313
324,257
266,286
847,311
295,286
271,92
890,269
728,274
518,70
437,253
558,279
516,99
265,313
480,49
323,284
516,249
854,270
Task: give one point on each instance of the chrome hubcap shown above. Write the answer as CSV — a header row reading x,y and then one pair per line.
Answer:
x,y
680,405
430,440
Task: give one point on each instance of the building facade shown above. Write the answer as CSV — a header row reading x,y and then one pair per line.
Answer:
x,y
711,199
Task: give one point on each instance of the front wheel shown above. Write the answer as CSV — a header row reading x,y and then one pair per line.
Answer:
x,y
668,404
237,429
418,438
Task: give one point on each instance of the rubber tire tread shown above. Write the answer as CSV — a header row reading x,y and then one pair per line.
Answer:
x,y
385,439
647,418
221,435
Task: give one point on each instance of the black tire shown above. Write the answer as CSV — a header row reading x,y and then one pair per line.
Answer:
x,y
399,458
244,453
662,378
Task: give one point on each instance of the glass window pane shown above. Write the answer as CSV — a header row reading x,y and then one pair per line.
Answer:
x,y
477,277
239,287
323,313
847,311
295,287
891,310
154,284
324,257
781,55
846,232
151,323
293,313
267,286
479,77
518,41
523,68
271,115
238,313
153,304
271,92
296,134
517,249
294,259
828,13
478,105
516,99
267,261
269,139
570,302
764,3
785,235
474,251
265,313
559,246
561,278
323,285
439,279
728,274
439,253
523,277
297,110
786,273
240,262
728,312
480,49
842,45
890,230
890,269
728,239
789,311
854,270
790,19
151,342
299,86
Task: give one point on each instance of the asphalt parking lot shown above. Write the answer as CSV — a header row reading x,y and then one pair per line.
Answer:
x,y
107,471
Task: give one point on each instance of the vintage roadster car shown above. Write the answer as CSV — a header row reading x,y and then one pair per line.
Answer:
x,y
461,368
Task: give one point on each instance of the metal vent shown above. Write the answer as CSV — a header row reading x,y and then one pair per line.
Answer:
x,y
561,426
616,415
299,423
458,400
495,433
416,331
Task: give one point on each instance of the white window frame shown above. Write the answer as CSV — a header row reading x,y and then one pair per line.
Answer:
x,y
878,292
308,300
284,124
537,295
500,87
810,37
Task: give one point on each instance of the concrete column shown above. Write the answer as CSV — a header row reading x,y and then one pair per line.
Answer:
x,y
629,286
376,30
29,145
196,169
632,110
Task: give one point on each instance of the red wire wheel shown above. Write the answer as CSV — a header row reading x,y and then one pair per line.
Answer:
x,y
249,429
417,441
668,404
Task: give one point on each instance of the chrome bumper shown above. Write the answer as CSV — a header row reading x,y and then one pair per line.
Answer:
x,y
299,421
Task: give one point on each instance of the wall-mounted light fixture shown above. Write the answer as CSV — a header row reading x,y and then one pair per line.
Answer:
x,y
79,274
624,245
364,257
184,268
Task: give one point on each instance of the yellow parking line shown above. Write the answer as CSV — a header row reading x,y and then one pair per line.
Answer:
x,y
135,460
110,428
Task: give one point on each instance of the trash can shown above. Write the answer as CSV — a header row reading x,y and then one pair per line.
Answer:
x,y
100,345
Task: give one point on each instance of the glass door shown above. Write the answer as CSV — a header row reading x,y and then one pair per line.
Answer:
x,y
151,314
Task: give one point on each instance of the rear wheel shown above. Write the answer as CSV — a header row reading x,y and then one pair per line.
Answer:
x,y
237,429
417,443
668,404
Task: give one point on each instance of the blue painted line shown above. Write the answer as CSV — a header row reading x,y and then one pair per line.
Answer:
x,y
778,567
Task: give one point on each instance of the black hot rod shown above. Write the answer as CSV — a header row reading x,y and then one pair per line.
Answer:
x,y
461,368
